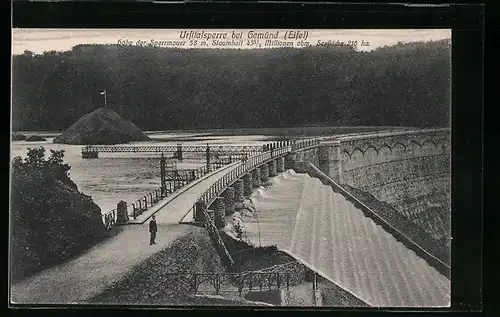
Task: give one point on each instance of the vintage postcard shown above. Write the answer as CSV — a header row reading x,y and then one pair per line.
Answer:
x,y
231,167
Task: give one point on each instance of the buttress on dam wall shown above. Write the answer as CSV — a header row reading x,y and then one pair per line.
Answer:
x,y
410,170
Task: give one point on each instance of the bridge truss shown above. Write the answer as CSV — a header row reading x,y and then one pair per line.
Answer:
x,y
91,151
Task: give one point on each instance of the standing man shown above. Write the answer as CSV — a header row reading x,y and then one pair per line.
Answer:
x,y
152,230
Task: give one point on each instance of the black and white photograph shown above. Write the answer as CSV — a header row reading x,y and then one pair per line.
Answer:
x,y
231,167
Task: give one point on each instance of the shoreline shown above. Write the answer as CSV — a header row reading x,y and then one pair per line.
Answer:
x,y
234,131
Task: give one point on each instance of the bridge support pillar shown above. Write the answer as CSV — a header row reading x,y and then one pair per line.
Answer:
x,y
248,184
220,213
290,160
198,212
256,177
273,168
280,168
121,213
330,160
229,201
238,191
211,214
264,173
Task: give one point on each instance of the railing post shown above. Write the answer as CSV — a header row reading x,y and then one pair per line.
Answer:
x,y
179,152
162,174
121,212
195,283
314,281
207,158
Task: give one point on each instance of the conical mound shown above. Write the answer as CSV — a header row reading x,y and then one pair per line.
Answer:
x,y
102,126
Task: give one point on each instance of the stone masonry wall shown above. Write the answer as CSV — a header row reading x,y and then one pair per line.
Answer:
x,y
410,172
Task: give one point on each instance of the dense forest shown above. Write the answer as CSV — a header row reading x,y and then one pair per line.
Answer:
x,y
162,89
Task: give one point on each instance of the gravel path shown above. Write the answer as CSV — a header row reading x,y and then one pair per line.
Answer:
x,y
87,275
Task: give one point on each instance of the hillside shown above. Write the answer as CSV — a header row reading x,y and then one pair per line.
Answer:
x,y
403,85
102,126
51,220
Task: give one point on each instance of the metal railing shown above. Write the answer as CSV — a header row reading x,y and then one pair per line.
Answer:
x,y
230,149
109,219
139,206
148,200
273,150
383,133
216,283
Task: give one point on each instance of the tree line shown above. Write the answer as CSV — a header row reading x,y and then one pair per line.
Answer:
x,y
162,89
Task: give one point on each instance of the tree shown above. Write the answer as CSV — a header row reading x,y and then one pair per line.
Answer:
x,y
50,219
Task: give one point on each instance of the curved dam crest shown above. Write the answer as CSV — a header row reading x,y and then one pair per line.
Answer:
x,y
409,170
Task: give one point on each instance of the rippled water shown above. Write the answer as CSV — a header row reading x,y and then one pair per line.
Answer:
x,y
128,176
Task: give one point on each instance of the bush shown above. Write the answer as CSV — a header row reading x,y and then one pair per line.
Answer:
x,y
51,220
238,227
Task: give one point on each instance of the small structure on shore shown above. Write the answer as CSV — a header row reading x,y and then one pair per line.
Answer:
x,y
102,126
36,138
17,136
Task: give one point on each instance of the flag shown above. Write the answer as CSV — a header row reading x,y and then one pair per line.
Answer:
x,y
103,92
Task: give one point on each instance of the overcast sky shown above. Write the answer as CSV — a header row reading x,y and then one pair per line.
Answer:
x,y
40,40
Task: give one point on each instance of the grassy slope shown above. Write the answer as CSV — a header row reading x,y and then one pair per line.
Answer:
x,y
151,281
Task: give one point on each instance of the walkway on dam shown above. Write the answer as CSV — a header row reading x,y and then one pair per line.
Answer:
x,y
89,274
321,228
177,208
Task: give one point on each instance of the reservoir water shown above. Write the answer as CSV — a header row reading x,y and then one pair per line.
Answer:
x,y
128,176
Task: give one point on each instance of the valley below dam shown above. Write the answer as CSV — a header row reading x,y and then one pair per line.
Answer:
x,y
324,230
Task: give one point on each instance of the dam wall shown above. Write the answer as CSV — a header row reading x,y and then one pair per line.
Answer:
x,y
410,170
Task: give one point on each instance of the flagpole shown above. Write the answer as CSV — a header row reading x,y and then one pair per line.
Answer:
x,y
105,98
